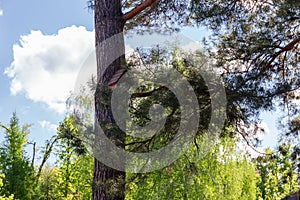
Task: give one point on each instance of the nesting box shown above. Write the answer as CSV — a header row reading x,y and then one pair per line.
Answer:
x,y
116,77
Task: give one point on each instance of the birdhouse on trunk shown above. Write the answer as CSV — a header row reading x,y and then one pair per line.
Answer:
x,y
116,77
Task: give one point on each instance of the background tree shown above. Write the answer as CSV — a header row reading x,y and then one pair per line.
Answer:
x,y
74,164
16,167
23,179
47,180
220,174
279,172
11,197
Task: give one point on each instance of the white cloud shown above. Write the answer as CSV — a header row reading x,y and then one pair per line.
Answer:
x,y
1,12
47,125
45,67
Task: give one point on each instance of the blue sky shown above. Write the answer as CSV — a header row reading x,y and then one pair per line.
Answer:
x,y
41,44
20,18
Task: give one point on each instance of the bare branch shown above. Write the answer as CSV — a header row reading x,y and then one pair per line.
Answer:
x,y
48,150
135,11
33,152
288,47
3,126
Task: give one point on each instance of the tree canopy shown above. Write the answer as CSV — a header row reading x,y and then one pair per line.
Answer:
x,y
256,43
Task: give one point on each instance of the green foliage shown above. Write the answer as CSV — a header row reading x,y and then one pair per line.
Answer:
x,y
73,177
279,173
69,179
157,61
256,44
163,16
11,197
73,174
221,174
251,35
71,134
47,179
19,174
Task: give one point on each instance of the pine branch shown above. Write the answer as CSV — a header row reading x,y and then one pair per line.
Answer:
x,y
137,10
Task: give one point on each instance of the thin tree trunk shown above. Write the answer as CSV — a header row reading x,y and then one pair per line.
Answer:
x,y
108,183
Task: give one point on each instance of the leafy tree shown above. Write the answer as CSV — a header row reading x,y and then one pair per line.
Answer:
x,y
47,180
19,173
11,197
222,174
70,179
73,173
279,173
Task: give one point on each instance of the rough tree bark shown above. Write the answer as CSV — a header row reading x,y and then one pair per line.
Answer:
x,y
108,183
108,22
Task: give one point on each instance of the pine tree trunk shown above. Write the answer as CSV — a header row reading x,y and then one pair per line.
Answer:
x,y
108,183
